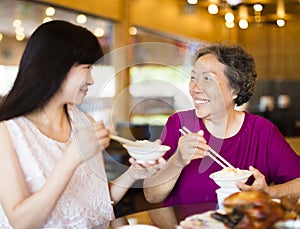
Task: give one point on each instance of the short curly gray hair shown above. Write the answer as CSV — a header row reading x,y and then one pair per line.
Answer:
x,y
240,68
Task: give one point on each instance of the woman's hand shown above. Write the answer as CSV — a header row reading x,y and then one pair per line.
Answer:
x,y
259,183
192,146
89,140
145,170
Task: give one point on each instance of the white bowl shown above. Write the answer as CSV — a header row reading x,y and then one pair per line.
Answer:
x,y
138,226
145,151
227,178
223,193
290,224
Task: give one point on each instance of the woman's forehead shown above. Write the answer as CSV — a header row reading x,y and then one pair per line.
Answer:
x,y
208,63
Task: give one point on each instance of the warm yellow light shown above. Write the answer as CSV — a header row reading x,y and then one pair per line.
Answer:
x,y
50,11
229,17
81,19
20,36
17,23
99,32
229,24
19,30
132,30
192,2
46,19
243,23
280,22
1,37
212,8
258,7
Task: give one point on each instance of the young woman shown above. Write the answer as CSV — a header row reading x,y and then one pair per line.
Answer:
x,y
51,164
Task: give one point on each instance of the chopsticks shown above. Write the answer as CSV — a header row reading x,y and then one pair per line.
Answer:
x,y
121,139
211,153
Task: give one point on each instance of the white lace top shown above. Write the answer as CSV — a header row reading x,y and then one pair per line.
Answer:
x,y
86,202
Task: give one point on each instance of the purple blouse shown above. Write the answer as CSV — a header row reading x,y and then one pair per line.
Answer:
x,y
258,143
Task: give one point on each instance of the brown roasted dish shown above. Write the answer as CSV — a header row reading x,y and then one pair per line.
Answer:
x,y
256,210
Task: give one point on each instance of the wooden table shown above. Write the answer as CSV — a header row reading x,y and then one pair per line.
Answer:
x,y
165,217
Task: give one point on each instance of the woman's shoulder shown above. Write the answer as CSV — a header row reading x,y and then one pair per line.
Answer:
x,y
257,121
184,114
79,117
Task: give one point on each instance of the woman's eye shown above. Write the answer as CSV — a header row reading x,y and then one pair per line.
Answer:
x,y
88,66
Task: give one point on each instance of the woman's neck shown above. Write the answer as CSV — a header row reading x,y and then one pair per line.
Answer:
x,y
52,121
225,126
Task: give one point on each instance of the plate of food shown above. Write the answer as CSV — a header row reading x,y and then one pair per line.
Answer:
x,y
200,221
248,209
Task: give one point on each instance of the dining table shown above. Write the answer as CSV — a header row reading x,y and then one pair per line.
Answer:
x,y
164,217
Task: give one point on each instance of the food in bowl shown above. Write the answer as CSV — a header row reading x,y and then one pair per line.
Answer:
x,y
146,151
228,177
145,144
250,209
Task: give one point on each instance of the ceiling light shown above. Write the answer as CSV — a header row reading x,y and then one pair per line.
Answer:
x,y
212,8
243,23
192,2
280,22
20,36
50,11
19,30
81,19
17,23
46,19
229,17
234,2
132,30
229,24
258,7
99,32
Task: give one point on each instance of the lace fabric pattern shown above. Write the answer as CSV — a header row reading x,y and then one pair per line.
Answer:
x,y
86,202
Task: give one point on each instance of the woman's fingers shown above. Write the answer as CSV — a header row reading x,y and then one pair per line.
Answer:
x,y
102,134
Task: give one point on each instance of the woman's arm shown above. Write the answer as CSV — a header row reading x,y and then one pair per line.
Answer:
x,y
160,185
290,188
120,185
25,209
31,210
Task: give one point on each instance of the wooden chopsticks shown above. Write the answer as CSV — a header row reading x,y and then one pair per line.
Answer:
x,y
211,153
122,140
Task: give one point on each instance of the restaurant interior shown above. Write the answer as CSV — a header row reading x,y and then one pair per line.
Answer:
x,y
149,47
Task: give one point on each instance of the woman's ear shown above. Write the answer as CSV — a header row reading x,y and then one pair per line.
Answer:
x,y
234,93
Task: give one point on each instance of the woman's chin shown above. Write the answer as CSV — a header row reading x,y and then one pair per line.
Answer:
x,y
201,113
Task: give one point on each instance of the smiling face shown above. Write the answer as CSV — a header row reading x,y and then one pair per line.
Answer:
x,y
209,87
75,86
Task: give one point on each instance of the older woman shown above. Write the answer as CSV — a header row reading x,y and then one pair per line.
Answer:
x,y
222,77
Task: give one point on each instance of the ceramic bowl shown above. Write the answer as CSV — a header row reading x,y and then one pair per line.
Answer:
x,y
227,178
146,152
138,226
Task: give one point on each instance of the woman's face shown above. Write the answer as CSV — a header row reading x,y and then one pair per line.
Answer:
x,y
209,87
75,86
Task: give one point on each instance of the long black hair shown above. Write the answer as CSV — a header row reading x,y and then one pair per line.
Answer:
x,y
53,48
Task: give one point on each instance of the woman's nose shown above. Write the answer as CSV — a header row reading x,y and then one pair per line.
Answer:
x,y
90,79
195,87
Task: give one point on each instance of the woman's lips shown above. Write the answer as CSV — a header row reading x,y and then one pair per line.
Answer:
x,y
201,101
84,91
